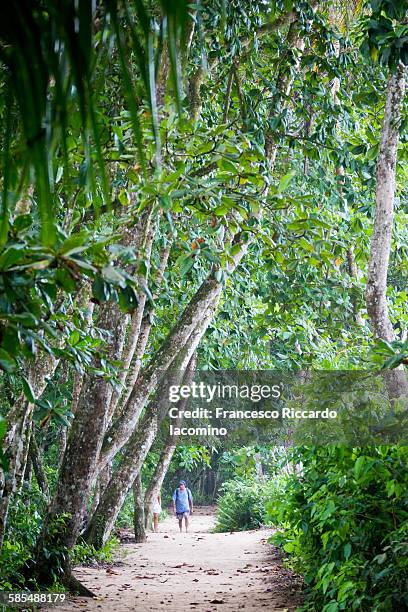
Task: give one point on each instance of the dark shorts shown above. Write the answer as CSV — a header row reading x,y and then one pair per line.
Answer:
x,y
181,515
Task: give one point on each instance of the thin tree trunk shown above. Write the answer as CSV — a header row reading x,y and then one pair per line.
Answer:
x,y
136,345
102,482
159,475
28,473
376,291
138,512
16,446
34,455
144,246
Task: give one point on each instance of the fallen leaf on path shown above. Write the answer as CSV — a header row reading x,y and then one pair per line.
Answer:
x,y
217,601
144,577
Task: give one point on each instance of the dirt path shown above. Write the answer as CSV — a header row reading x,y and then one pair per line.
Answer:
x,y
196,571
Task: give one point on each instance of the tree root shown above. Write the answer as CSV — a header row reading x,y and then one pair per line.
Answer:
x,y
74,586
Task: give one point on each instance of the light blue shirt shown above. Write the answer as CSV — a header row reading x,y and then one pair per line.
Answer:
x,y
182,499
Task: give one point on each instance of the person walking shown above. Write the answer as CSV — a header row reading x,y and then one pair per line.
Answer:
x,y
182,504
156,511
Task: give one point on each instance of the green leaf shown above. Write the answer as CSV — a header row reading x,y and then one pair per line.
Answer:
x,y
186,264
28,390
65,280
358,466
11,256
285,181
100,290
73,244
218,275
113,275
7,362
221,210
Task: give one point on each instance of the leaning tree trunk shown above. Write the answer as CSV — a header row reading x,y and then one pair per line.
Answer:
x,y
135,453
78,469
74,484
138,512
376,291
159,475
201,307
103,519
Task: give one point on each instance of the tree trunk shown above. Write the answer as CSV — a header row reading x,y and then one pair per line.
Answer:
x,y
144,244
159,475
376,292
15,450
136,346
34,455
74,484
200,308
78,468
135,453
138,513
102,482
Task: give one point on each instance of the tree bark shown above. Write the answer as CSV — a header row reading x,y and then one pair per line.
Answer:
x,y
196,311
376,292
134,349
74,484
17,439
138,513
159,475
34,455
135,453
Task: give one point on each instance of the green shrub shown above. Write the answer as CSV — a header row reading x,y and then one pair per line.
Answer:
x,y
24,524
241,505
344,523
84,553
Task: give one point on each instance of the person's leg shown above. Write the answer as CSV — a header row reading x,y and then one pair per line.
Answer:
x,y
181,523
155,522
186,521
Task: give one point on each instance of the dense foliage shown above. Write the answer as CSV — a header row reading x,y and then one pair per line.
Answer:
x,y
242,504
341,516
343,519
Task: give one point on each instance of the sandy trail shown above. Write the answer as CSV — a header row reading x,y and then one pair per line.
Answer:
x,y
196,571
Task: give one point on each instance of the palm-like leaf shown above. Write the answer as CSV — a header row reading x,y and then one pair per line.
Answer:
x,y
48,52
